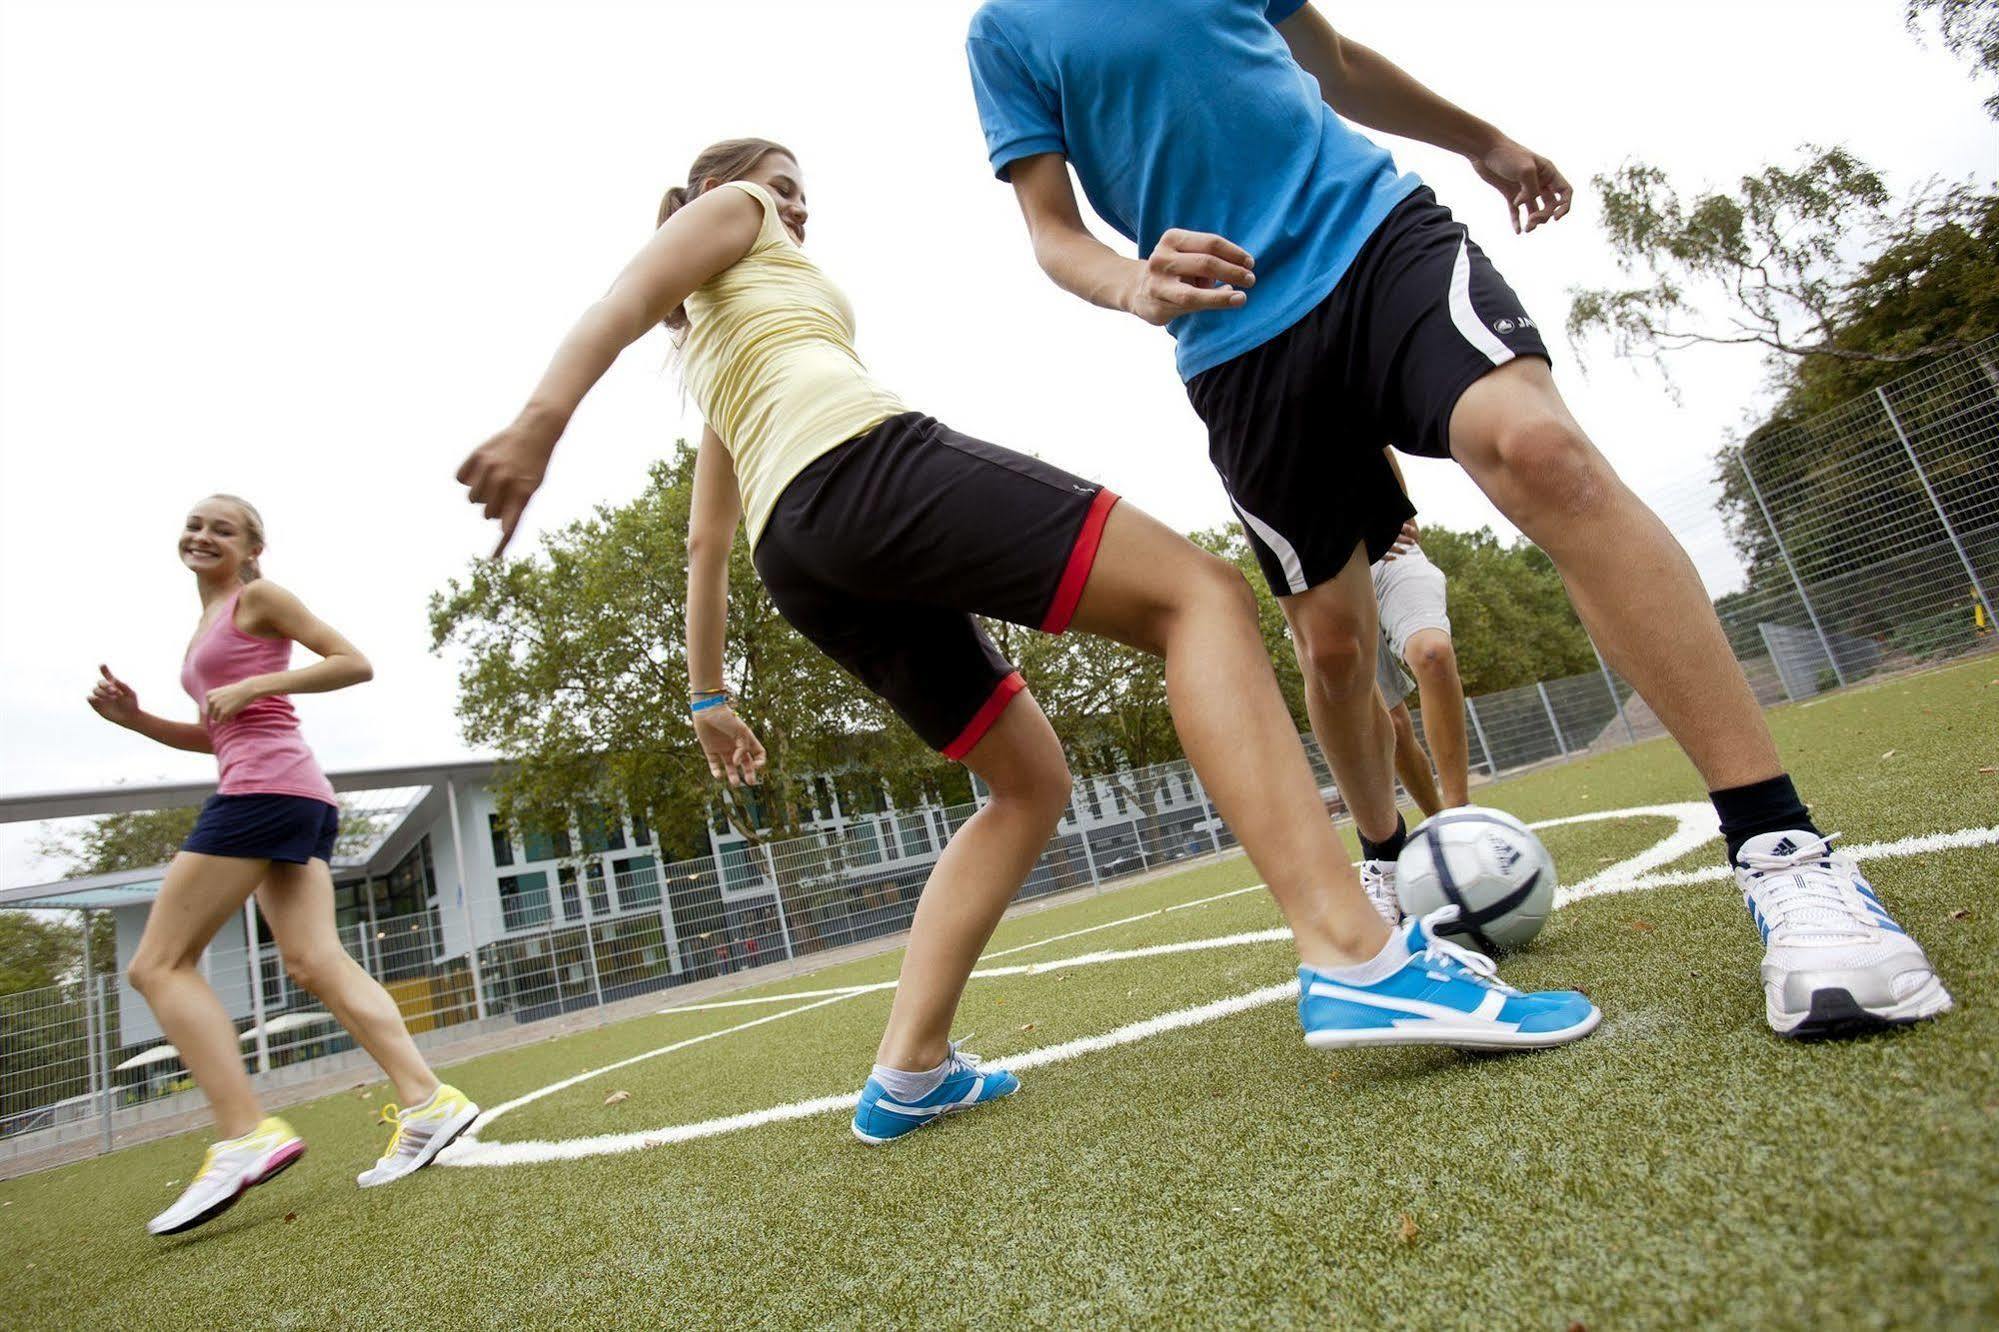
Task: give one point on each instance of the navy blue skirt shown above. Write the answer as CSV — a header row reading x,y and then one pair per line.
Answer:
x,y
265,827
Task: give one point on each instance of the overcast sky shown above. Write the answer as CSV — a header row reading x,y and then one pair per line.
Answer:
x,y
314,252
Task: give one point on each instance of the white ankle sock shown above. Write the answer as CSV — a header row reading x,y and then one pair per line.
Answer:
x,y
907,1087
1380,967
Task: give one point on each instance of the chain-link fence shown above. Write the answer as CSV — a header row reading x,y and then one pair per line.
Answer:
x,y
1871,540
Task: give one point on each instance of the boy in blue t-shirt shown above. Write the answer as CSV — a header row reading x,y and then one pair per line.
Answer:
x,y
1324,305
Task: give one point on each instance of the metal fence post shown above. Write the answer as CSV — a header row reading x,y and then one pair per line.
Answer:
x,y
99,987
1615,701
589,938
1922,476
1478,729
1553,725
1811,613
777,899
465,896
1089,856
256,983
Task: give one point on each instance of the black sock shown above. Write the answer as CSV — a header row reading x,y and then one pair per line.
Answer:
x,y
1385,850
1760,807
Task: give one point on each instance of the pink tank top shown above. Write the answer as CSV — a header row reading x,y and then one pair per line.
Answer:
x,y
260,750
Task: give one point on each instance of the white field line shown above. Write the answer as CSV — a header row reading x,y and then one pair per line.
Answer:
x,y
1004,952
470,1153
1695,828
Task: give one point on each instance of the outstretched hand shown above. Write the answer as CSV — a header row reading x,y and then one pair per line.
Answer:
x,y
1189,271
1535,191
503,474
1405,541
113,699
735,755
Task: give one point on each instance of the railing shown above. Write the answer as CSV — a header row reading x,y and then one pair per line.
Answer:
x,y
1875,534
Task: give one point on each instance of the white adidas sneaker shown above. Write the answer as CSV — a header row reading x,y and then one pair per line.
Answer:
x,y
421,1132
1377,880
232,1167
1835,963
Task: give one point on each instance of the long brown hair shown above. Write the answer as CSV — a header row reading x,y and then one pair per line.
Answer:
x,y
731,159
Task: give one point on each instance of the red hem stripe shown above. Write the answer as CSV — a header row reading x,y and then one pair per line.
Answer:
x,y
1069,592
982,720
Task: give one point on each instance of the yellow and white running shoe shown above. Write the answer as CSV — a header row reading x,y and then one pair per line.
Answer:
x,y
421,1132
231,1168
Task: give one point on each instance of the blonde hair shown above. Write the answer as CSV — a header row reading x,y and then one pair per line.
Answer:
x,y
253,527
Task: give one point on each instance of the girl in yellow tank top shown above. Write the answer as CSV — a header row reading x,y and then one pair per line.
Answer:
x,y
881,534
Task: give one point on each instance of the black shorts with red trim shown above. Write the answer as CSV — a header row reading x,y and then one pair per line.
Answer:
x,y
1296,425
882,551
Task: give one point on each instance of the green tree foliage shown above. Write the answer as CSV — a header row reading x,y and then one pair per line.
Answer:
x,y
575,668
138,839
1970,29
38,950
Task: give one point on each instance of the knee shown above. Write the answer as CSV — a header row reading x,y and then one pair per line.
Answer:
x,y
1433,657
145,972
1220,585
1337,659
1206,592
1040,786
1552,465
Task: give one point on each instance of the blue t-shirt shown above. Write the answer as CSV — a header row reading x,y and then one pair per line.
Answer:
x,y
1191,114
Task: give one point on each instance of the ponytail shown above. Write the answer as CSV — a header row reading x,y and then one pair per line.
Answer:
x,y
731,159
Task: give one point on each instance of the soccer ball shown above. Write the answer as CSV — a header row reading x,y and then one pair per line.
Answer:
x,y
1487,864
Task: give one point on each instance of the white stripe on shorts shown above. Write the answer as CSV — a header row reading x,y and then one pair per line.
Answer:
x,y
1287,555
1474,329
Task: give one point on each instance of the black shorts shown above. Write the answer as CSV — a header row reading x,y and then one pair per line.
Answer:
x,y
265,827
883,550
1296,425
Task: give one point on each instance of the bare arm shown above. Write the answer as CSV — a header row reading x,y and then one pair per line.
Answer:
x,y
269,611
699,241
733,751
1187,270
1369,89
115,701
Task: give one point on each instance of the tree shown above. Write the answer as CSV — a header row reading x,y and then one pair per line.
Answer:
x,y
138,839
575,669
1970,30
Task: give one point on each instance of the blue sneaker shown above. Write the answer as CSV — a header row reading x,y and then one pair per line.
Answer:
x,y
879,1118
1443,995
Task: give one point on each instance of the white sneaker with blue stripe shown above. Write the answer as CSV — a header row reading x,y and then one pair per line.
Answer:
x,y
1835,963
1444,994
880,1118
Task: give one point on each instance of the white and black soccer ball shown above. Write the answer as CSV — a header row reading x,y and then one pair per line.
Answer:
x,y
1486,863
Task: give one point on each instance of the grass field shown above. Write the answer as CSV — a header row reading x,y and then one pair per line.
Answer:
x,y
1682,1167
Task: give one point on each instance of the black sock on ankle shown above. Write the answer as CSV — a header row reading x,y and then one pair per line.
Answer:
x,y
1760,807
1389,849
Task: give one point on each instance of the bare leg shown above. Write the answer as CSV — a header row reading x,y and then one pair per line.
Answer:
x,y
982,867
1333,630
1412,765
1158,592
297,902
1633,585
200,893
1434,661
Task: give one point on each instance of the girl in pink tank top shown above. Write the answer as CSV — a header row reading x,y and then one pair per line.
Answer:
x,y
268,829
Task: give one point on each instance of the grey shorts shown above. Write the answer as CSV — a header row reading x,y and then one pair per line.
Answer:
x,y
1389,677
1409,596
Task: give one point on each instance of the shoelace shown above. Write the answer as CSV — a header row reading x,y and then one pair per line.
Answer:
x,y
1819,900
401,1139
1379,891
1444,953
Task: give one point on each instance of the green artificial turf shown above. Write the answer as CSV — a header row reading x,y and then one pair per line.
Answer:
x,y
1681,1168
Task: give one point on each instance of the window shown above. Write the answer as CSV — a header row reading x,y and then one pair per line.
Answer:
x,y
638,881
641,834
1187,782
572,905
503,841
524,900
600,889
547,844
601,831
1096,809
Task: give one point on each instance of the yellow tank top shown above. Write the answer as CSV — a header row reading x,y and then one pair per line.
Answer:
x,y
769,359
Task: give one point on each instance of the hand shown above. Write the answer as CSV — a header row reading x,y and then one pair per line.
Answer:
x,y
113,699
503,473
1530,182
1189,271
228,700
734,753
1405,541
